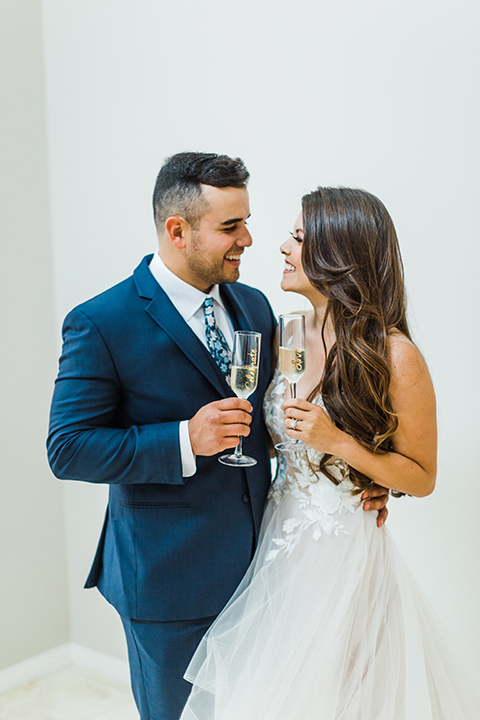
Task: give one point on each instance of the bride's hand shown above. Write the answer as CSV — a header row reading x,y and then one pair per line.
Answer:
x,y
312,426
315,429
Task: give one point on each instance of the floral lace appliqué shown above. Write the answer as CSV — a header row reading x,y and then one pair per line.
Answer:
x,y
320,504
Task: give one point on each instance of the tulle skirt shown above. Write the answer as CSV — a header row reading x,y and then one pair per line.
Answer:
x,y
330,626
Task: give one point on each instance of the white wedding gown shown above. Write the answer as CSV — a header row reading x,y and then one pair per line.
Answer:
x,y
328,623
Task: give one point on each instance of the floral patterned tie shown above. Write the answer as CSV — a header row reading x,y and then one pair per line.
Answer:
x,y
216,342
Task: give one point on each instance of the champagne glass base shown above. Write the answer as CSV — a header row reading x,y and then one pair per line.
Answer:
x,y
237,460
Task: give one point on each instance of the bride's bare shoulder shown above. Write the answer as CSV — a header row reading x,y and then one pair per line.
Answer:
x,y
399,343
405,359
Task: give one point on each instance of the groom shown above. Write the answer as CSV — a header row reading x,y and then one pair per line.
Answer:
x,y
142,402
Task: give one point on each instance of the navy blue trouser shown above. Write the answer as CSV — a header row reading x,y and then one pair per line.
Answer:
x,y
158,653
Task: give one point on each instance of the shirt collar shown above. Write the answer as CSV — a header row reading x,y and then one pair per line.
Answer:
x,y
186,298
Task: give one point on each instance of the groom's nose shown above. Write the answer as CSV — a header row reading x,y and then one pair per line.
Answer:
x,y
245,239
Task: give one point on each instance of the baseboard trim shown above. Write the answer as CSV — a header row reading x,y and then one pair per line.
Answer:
x,y
61,657
35,668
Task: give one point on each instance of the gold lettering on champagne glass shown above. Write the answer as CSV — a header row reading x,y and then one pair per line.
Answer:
x,y
298,364
253,356
250,370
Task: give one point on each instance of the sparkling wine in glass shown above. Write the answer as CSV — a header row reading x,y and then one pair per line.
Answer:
x,y
243,381
291,359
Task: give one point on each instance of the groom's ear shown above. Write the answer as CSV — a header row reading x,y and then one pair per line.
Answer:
x,y
177,228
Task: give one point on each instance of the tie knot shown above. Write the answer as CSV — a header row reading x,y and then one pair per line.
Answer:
x,y
209,312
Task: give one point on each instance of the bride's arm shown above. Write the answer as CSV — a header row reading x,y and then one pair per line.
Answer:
x,y
411,467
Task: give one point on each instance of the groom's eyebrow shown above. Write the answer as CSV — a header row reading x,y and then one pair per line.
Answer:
x,y
233,221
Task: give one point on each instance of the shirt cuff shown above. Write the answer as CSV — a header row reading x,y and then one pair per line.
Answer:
x,y
189,465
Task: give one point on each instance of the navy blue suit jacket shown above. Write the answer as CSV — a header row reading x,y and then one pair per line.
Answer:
x,y
131,369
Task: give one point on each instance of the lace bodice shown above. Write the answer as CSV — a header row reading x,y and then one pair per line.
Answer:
x,y
321,501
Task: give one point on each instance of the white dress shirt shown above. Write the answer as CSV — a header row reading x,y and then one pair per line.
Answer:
x,y
188,300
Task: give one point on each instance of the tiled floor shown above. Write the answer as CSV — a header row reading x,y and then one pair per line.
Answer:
x,y
70,694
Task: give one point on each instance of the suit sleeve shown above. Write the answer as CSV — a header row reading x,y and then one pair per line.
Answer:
x,y
85,442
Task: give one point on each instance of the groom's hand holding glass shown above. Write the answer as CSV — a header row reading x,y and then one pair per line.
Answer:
x,y
217,426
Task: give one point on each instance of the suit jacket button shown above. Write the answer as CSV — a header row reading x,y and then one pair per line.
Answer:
x,y
246,498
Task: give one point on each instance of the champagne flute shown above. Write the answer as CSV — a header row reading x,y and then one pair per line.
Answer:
x,y
291,359
244,376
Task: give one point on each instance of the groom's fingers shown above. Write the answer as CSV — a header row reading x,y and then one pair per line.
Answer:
x,y
216,426
377,503
377,495
233,403
376,498
382,516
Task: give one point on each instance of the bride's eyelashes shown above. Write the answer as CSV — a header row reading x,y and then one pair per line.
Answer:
x,y
296,237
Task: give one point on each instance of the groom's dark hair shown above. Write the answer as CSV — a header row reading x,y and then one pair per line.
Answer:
x,y
178,187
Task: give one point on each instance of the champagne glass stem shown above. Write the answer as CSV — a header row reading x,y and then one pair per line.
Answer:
x,y
293,394
239,448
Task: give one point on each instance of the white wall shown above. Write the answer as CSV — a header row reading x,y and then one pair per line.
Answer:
x,y
374,94
33,602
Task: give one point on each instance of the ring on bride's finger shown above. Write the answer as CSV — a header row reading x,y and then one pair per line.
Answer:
x,y
293,426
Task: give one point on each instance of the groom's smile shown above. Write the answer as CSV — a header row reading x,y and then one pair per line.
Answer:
x,y
213,250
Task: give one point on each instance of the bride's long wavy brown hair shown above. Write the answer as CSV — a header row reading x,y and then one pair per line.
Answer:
x,y
350,254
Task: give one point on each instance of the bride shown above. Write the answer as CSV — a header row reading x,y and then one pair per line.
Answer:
x,y
328,624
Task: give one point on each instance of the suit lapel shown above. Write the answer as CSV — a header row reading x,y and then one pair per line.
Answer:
x,y
163,312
